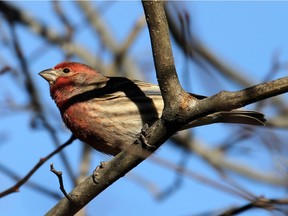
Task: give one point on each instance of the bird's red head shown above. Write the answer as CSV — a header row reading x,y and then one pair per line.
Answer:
x,y
69,78
75,67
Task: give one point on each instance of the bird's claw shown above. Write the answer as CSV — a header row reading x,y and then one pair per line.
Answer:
x,y
96,171
141,138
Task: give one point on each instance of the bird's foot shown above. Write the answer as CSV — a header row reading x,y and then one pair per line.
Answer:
x,y
96,172
141,138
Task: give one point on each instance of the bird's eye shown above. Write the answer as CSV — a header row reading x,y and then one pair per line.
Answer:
x,y
66,70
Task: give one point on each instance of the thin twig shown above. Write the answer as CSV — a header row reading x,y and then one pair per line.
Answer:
x,y
33,185
15,188
60,179
259,202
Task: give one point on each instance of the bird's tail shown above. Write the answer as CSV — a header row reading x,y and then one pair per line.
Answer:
x,y
234,116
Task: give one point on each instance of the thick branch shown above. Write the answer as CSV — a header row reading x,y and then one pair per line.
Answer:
x,y
225,101
163,58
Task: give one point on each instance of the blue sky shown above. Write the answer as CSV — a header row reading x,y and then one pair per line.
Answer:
x,y
245,35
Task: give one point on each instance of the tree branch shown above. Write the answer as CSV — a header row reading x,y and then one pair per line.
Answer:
x,y
163,58
238,99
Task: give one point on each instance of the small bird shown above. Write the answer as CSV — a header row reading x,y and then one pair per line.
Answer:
x,y
109,112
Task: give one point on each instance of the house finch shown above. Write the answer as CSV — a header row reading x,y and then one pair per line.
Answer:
x,y
108,112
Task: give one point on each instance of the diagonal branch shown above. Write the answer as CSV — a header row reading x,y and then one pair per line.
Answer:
x,y
238,99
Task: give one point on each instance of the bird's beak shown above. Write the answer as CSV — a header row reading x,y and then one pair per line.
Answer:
x,y
49,74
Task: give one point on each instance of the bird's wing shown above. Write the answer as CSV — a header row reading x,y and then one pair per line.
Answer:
x,y
233,116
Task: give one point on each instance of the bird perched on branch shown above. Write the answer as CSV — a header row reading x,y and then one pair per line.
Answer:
x,y
108,112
